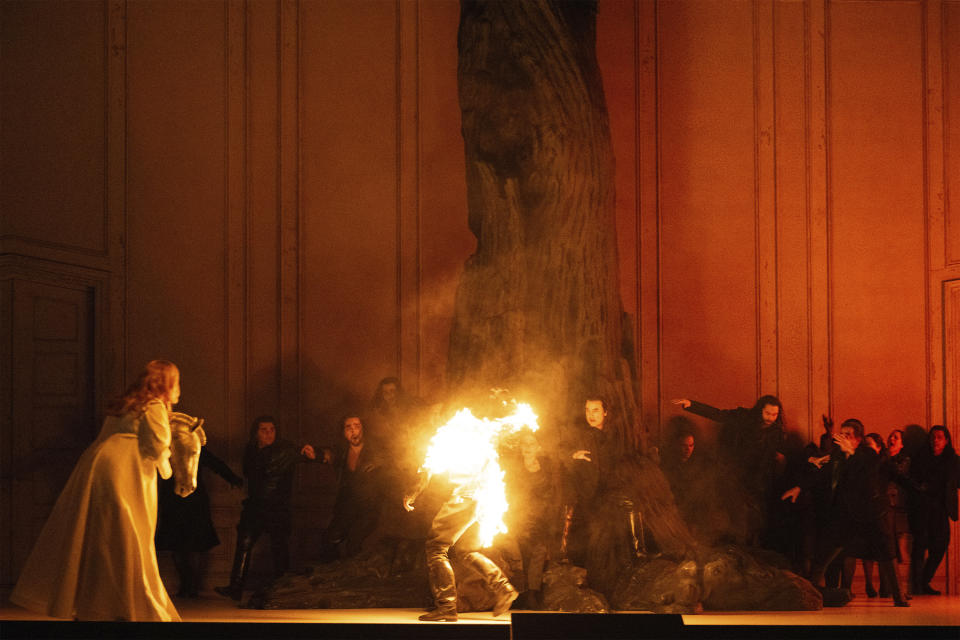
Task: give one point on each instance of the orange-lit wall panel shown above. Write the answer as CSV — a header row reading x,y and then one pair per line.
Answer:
x,y
175,205
52,127
876,213
349,194
708,215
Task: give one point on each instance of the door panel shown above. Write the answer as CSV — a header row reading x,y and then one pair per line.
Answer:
x,y
51,421
951,375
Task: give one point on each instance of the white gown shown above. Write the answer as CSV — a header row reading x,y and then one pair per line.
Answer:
x,y
95,557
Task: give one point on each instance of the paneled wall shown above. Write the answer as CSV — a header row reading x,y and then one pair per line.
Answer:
x,y
802,222
271,193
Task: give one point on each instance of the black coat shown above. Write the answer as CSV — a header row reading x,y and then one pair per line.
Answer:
x,y
184,524
746,447
933,480
269,474
858,512
586,481
363,484
861,495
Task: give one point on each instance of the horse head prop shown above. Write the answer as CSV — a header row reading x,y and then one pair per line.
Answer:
x,y
187,437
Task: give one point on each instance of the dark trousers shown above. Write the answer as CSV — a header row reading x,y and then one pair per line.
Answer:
x,y
353,521
248,532
931,535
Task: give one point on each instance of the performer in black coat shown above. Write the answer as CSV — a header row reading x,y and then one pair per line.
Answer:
x,y
858,513
360,487
268,466
751,454
589,455
932,501
184,525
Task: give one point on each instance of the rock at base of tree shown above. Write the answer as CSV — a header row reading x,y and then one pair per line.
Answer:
x,y
736,580
564,590
383,577
660,585
392,575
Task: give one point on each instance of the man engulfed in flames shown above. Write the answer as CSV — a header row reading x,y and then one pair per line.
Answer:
x,y
465,448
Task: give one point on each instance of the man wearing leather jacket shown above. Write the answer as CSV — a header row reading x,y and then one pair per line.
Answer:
x,y
268,466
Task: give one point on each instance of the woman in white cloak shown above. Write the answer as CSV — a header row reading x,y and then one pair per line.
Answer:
x,y
95,557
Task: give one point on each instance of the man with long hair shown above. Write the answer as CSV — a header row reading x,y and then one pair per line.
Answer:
x,y
750,451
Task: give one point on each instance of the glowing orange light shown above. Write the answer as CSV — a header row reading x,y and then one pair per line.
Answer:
x,y
465,448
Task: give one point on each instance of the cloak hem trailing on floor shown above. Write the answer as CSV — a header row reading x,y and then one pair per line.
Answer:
x,y
95,557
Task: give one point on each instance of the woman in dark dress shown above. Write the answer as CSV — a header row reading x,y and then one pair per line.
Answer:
x,y
184,525
895,468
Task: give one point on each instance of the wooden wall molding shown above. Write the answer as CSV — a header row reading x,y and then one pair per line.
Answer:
x,y
942,246
236,207
935,227
409,326
648,317
817,36
59,251
102,284
945,17
289,205
951,414
109,251
765,196
111,349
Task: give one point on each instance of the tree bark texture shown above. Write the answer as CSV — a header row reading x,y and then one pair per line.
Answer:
x,y
538,308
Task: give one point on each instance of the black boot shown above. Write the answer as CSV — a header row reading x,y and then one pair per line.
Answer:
x,y
503,591
238,574
635,528
565,535
443,585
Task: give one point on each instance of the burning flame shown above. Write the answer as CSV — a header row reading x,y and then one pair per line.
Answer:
x,y
465,448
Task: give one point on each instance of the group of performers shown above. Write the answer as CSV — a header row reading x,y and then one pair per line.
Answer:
x,y
95,558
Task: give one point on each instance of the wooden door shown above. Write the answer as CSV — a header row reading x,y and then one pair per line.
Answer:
x,y
49,389
951,375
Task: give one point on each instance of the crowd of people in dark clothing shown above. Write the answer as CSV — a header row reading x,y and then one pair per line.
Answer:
x,y
886,501
851,495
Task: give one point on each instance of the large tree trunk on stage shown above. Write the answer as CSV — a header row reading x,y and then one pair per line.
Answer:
x,y
538,309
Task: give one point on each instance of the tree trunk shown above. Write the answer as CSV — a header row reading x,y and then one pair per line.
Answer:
x,y
538,308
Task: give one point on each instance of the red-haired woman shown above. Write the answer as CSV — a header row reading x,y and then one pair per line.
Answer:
x,y
95,558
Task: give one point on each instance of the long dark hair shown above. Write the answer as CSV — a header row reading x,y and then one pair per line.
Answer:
x,y
948,449
876,437
377,402
763,401
250,453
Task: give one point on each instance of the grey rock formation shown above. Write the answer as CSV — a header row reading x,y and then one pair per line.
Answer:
x,y
564,589
736,580
660,585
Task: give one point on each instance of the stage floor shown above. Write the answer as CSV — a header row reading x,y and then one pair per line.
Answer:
x,y
213,616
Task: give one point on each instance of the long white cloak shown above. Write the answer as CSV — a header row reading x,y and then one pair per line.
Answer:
x,y
95,557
